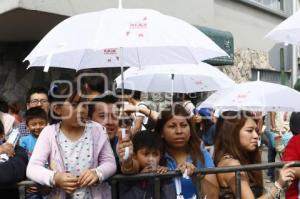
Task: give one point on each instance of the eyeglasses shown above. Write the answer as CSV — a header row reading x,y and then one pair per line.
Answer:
x,y
36,101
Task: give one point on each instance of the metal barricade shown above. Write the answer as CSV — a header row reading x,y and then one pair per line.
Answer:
x,y
157,177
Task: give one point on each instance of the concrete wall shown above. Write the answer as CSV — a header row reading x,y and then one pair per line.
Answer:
x,y
249,25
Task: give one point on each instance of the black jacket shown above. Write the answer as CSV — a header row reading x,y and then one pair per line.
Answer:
x,y
145,190
11,172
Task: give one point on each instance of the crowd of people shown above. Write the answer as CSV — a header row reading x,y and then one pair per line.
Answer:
x,y
71,142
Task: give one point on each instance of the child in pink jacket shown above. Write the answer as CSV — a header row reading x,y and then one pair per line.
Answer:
x,y
78,152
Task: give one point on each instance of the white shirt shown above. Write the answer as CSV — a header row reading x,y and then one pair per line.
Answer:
x,y
77,157
189,107
8,122
138,114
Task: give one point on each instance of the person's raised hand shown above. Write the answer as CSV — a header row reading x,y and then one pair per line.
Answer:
x,y
123,143
187,168
161,169
8,149
121,148
286,174
148,169
129,108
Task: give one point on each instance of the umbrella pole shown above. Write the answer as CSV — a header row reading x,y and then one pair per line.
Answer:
x,y
123,125
120,4
122,80
172,88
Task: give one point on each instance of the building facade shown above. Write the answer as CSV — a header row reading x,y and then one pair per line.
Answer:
x,y
24,23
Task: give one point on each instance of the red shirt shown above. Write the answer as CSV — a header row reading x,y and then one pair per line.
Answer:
x,y
292,153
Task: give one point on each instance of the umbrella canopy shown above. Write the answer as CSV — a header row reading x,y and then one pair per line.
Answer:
x,y
182,78
122,37
287,31
254,96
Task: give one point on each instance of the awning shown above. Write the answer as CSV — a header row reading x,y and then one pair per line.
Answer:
x,y
223,39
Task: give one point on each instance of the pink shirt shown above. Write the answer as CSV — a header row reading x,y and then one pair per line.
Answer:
x,y
46,150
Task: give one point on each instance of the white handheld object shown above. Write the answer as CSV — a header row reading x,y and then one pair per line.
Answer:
x,y
3,157
178,188
12,139
185,175
126,154
153,164
123,130
259,141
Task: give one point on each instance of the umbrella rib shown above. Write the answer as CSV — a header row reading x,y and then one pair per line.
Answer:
x,y
184,81
151,80
196,61
138,57
82,59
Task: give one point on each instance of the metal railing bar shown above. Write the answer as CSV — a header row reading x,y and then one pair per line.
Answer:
x,y
204,171
114,189
169,174
157,188
198,187
238,184
249,167
157,177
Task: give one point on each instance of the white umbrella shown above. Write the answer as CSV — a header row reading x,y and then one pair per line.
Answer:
x,y
287,31
181,78
122,37
254,96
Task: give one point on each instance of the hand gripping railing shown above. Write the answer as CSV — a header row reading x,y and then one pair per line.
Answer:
x,y
157,177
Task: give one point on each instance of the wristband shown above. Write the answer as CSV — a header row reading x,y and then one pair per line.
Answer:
x,y
52,180
279,189
99,174
278,186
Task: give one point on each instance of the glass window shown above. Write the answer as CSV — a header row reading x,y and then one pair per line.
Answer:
x,y
277,5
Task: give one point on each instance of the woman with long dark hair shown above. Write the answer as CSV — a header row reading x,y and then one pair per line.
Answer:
x,y
237,144
183,151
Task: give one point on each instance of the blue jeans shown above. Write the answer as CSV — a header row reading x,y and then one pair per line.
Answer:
x,y
35,195
271,156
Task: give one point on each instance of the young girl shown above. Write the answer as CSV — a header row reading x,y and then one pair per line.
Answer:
x,y
237,144
78,151
183,151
